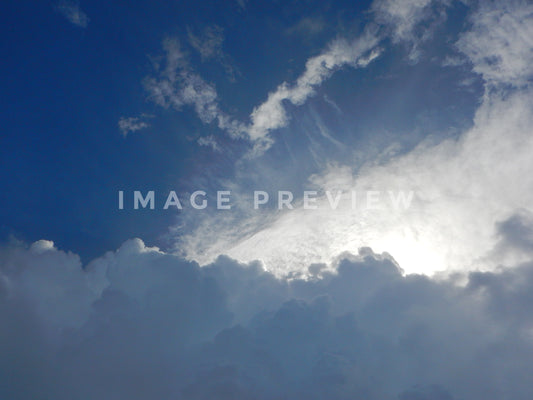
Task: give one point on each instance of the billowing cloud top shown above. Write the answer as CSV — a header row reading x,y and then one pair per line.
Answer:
x,y
139,323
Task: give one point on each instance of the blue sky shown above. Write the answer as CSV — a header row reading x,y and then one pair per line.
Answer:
x,y
336,98
66,87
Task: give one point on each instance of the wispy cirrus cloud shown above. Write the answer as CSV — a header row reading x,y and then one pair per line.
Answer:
x,y
272,114
410,22
209,46
177,85
307,26
71,10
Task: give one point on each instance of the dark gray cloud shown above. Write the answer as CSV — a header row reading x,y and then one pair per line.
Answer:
x,y
142,324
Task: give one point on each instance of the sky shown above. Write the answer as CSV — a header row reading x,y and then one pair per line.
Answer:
x,y
342,292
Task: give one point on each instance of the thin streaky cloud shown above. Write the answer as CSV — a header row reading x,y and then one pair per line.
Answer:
x,y
307,26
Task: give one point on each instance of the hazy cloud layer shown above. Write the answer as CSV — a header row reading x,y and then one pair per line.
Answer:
x,y
138,323
464,187
462,190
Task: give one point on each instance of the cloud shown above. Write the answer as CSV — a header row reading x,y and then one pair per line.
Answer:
x,y
334,105
272,114
235,331
177,85
209,46
132,124
500,42
501,54
307,26
209,141
465,188
71,10
410,21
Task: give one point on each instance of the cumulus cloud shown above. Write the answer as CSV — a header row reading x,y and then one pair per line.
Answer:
x,y
138,323
500,42
71,10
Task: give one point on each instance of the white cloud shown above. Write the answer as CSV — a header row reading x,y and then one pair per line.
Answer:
x,y
402,15
50,281
272,114
234,331
132,124
500,42
209,141
177,85
410,21
463,188
71,10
